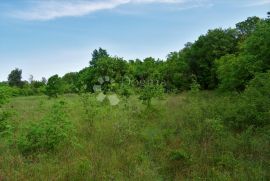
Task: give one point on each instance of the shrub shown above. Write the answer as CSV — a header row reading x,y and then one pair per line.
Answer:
x,y
126,92
4,115
257,100
4,125
89,106
4,94
253,106
48,134
54,86
150,91
195,87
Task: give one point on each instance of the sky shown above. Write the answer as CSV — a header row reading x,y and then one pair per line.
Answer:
x,y
47,37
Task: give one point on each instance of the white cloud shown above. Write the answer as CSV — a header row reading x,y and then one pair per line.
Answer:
x,y
52,9
258,3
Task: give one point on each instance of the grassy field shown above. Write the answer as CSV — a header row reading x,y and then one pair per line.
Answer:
x,y
182,137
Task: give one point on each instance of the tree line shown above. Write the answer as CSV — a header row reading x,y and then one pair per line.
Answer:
x,y
224,59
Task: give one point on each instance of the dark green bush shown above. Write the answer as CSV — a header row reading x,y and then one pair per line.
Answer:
x,y
4,124
253,106
48,134
4,94
54,86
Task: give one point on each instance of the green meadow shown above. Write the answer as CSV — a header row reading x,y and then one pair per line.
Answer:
x,y
180,137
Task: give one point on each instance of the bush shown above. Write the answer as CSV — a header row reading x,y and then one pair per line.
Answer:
x,y
253,106
125,92
47,135
4,125
54,86
257,100
195,87
150,91
89,106
4,94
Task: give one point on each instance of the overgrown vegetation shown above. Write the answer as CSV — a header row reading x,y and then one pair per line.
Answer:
x,y
217,128
48,134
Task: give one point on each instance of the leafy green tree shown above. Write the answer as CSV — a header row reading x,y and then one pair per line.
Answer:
x,y
175,72
258,45
247,27
202,54
70,81
54,86
98,54
15,78
113,67
38,87
86,80
150,91
125,91
235,71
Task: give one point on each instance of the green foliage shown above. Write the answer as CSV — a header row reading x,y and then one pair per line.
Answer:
x,y
54,86
44,136
4,94
222,58
205,135
150,91
257,45
179,155
235,72
5,126
203,53
247,27
254,108
70,81
89,106
15,78
97,55
195,86
175,72
125,92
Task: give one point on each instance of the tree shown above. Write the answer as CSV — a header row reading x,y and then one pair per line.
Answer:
x,y
175,72
44,80
54,86
247,27
257,45
70,81
98,54
114,67
235,71
15,78
202,54
150,91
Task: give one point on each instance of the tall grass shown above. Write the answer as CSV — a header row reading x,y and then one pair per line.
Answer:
x,y
183,137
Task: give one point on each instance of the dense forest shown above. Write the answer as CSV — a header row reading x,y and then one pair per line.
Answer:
x,y
205,114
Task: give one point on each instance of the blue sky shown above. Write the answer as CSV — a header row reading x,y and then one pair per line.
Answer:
x,y
47,37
